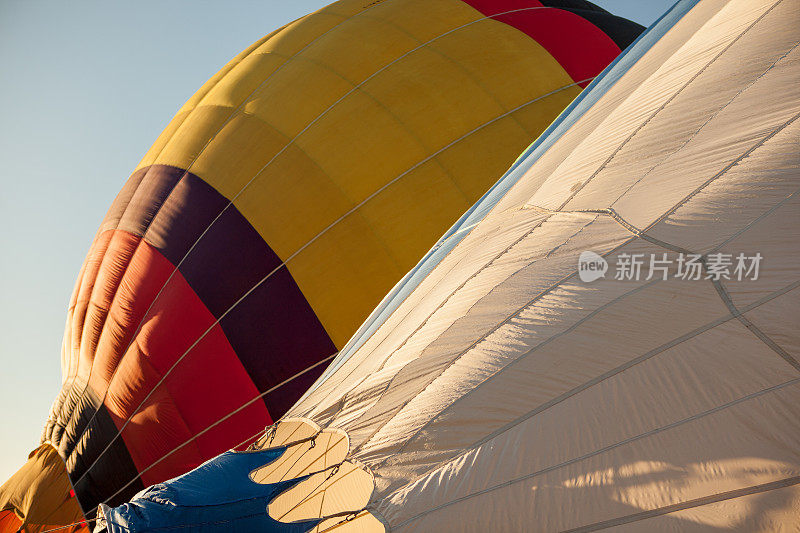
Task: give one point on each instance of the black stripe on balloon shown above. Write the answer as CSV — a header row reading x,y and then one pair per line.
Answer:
x,y
273,330
113,469
621,30
276,335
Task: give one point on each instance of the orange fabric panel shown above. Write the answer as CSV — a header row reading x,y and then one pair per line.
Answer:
x,y
39,495
112,269
78,312
160,411
139,285
9,523
185,403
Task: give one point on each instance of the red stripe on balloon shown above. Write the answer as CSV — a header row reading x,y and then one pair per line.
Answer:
x,y
580,47
205,386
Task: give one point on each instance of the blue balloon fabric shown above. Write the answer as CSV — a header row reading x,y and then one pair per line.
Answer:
x,y
218,496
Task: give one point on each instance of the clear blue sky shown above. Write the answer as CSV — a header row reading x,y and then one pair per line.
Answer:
x,y
87,86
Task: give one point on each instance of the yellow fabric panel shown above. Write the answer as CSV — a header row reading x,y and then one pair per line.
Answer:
x,y
425,19
238,153
243,79
447,79
314,25
187,108
39,492
466,162
164,138
367,42
192,135
281,42
537,115
313,88
211,83
309,201
344,275
403,226
289,42
359,162
433,97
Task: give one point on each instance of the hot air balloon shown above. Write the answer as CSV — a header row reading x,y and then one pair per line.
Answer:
x,y
274,212
527,375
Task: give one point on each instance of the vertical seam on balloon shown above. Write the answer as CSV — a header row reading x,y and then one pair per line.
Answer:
x,y
610,447
664,105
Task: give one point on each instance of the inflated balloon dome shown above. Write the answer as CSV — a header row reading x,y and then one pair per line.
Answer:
x,y
282,202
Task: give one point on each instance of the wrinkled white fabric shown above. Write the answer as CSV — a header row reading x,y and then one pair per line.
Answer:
x,y
505,394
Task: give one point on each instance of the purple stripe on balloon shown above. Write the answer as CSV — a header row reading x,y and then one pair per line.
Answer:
x,y
273,330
